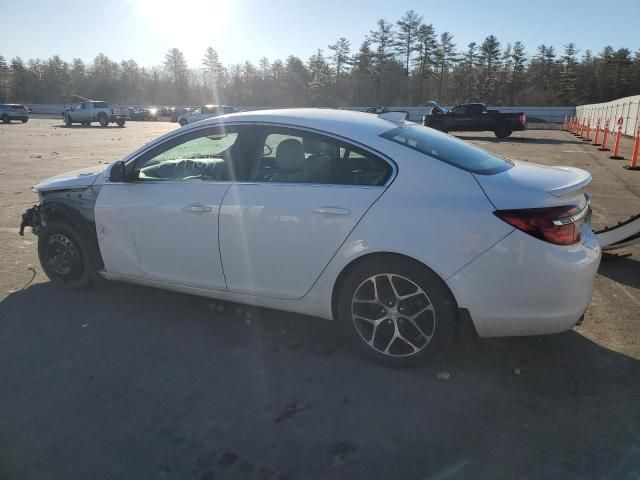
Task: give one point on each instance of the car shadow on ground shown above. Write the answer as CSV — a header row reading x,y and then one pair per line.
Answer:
x,y
516,139
621,268
123,378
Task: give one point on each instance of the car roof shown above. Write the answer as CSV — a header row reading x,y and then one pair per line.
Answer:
x,y
360,127
350,124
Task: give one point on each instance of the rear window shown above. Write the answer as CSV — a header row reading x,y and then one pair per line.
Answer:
x,y
448,149
18,107
100,105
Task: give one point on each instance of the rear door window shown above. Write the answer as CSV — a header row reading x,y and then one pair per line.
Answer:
x,y
288,155
447,149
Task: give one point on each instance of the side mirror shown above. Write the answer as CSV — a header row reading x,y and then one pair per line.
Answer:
x,y
118,173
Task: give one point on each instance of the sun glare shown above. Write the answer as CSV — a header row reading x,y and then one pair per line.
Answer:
x,y
191,24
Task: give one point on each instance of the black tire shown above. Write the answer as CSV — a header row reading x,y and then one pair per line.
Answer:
x,y
104,121
183,122
25,120
438,323
120,123
503,130
5,118
67,120
63,256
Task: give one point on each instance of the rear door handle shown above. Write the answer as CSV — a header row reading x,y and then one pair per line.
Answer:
x,y
332,210
196,208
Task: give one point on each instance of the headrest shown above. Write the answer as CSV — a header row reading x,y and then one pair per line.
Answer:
x,y
290,155
314,146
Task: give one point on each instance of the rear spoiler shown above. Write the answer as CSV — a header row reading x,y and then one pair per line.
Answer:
x,y
584,178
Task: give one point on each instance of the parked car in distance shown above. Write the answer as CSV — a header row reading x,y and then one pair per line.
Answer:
x,y
144,114
396,231
203,112
93,111
13,111
175,113
474,117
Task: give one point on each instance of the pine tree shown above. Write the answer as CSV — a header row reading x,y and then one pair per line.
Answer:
x,y
490,65
406,42
425,58
445,58
567,84
470,60
382,40
212,68
176,67
519,61
340,57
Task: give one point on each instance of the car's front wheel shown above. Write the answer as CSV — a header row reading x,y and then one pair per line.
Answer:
x,y
182,122
396,310
5,118
63,256
25,120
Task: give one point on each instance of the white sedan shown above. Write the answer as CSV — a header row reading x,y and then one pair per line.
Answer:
x,y
393,229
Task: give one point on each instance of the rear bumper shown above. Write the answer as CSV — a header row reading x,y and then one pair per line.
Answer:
x,y
116,117
523,286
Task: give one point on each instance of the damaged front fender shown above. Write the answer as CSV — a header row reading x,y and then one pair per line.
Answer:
x,y
31,218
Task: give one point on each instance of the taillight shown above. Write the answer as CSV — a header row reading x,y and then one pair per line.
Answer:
x,y
522,118
557,225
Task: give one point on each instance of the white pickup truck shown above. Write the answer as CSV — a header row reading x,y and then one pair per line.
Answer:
x,y
93,111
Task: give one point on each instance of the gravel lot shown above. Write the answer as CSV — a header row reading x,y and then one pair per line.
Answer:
x,y
127,382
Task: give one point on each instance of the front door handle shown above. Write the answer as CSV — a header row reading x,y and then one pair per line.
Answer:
x,y
332,210
196,208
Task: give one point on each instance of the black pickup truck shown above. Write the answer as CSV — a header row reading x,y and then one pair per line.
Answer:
x,y
474,117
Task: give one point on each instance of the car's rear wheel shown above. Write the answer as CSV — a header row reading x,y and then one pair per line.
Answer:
x,y
120,123
104,121
5,118
25,120
396,310
63,256
182,122
503,130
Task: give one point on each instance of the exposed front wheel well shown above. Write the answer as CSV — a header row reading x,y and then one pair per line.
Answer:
x,y
58,213
373,257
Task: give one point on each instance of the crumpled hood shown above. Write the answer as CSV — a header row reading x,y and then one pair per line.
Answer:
x,y
82,178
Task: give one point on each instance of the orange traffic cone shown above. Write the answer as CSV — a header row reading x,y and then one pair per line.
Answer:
x,y
616,145
636,152
595,140
605,134
588,137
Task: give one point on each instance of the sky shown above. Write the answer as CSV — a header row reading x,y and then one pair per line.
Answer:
x,y
241,30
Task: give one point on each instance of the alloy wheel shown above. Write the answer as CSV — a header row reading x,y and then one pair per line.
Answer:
x,y
393,315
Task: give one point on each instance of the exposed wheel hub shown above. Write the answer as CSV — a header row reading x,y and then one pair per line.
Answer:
x,y
62,256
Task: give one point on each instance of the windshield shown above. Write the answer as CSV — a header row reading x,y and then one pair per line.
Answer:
x,y
448,149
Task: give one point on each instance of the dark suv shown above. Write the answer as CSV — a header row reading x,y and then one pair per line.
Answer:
x,y
13,111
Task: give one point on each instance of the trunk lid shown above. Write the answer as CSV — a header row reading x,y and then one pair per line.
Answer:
x,y
529,185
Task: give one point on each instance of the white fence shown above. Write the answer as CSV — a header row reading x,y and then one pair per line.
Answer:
x,y
627,108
